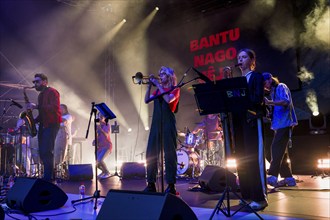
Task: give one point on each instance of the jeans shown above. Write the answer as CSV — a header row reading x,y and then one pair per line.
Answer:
x,y
46,140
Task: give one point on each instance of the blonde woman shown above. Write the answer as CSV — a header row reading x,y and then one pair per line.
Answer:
x,y
163,120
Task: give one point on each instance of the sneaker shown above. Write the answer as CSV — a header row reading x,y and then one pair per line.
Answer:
x,y
287,181
151,187
272,180
171,189
100,175
105,176
258,205
245,202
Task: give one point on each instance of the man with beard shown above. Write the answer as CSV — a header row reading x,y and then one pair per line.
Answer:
x,y
49,120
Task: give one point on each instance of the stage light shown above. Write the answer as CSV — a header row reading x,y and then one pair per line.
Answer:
x,y
317,124
146,128
157,9
124,20
231,163
129,130
316,113
144,162
323,164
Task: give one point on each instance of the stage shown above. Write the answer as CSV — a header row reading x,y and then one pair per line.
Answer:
x,y
310,199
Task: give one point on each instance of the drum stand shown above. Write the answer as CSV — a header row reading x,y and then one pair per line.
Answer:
x,y
36,168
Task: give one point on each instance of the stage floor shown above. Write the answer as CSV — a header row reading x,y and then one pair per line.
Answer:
x,y
310,199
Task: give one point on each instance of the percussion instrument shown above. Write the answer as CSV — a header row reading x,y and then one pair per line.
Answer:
x,y
188,162
190,139
181,134
6,139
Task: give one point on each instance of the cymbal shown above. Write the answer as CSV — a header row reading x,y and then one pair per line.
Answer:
x,y
181,134
215,139
214,132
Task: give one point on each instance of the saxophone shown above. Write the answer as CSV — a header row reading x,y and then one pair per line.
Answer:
x,y
27,116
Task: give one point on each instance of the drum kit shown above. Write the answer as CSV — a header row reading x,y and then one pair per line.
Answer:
x,y
7,151
17,147
15,159
7,141
195,152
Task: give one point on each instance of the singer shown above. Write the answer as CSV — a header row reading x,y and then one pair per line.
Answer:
x,y
283,118
49,120
249,149
163,127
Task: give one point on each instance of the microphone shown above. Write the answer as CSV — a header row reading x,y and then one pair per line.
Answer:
x,y
232,66
181,83
16,103
201,75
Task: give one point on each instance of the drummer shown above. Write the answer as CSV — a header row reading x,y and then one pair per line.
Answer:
x,y
211,127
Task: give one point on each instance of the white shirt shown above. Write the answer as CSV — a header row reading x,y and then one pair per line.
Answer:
x,y
248,75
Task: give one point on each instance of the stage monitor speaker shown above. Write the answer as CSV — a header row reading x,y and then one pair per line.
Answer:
x,y
2,213
133,170
79,172
35,195
132,205
213,179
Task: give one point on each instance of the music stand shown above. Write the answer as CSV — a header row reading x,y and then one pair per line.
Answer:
x,y
108,114
224,96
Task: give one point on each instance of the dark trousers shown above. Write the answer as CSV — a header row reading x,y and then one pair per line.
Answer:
x,y
163,127
279,149
250,159
46,140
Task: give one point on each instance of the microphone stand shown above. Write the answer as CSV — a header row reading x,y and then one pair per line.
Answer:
x,y
141,154
115,130
179,85
96,194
